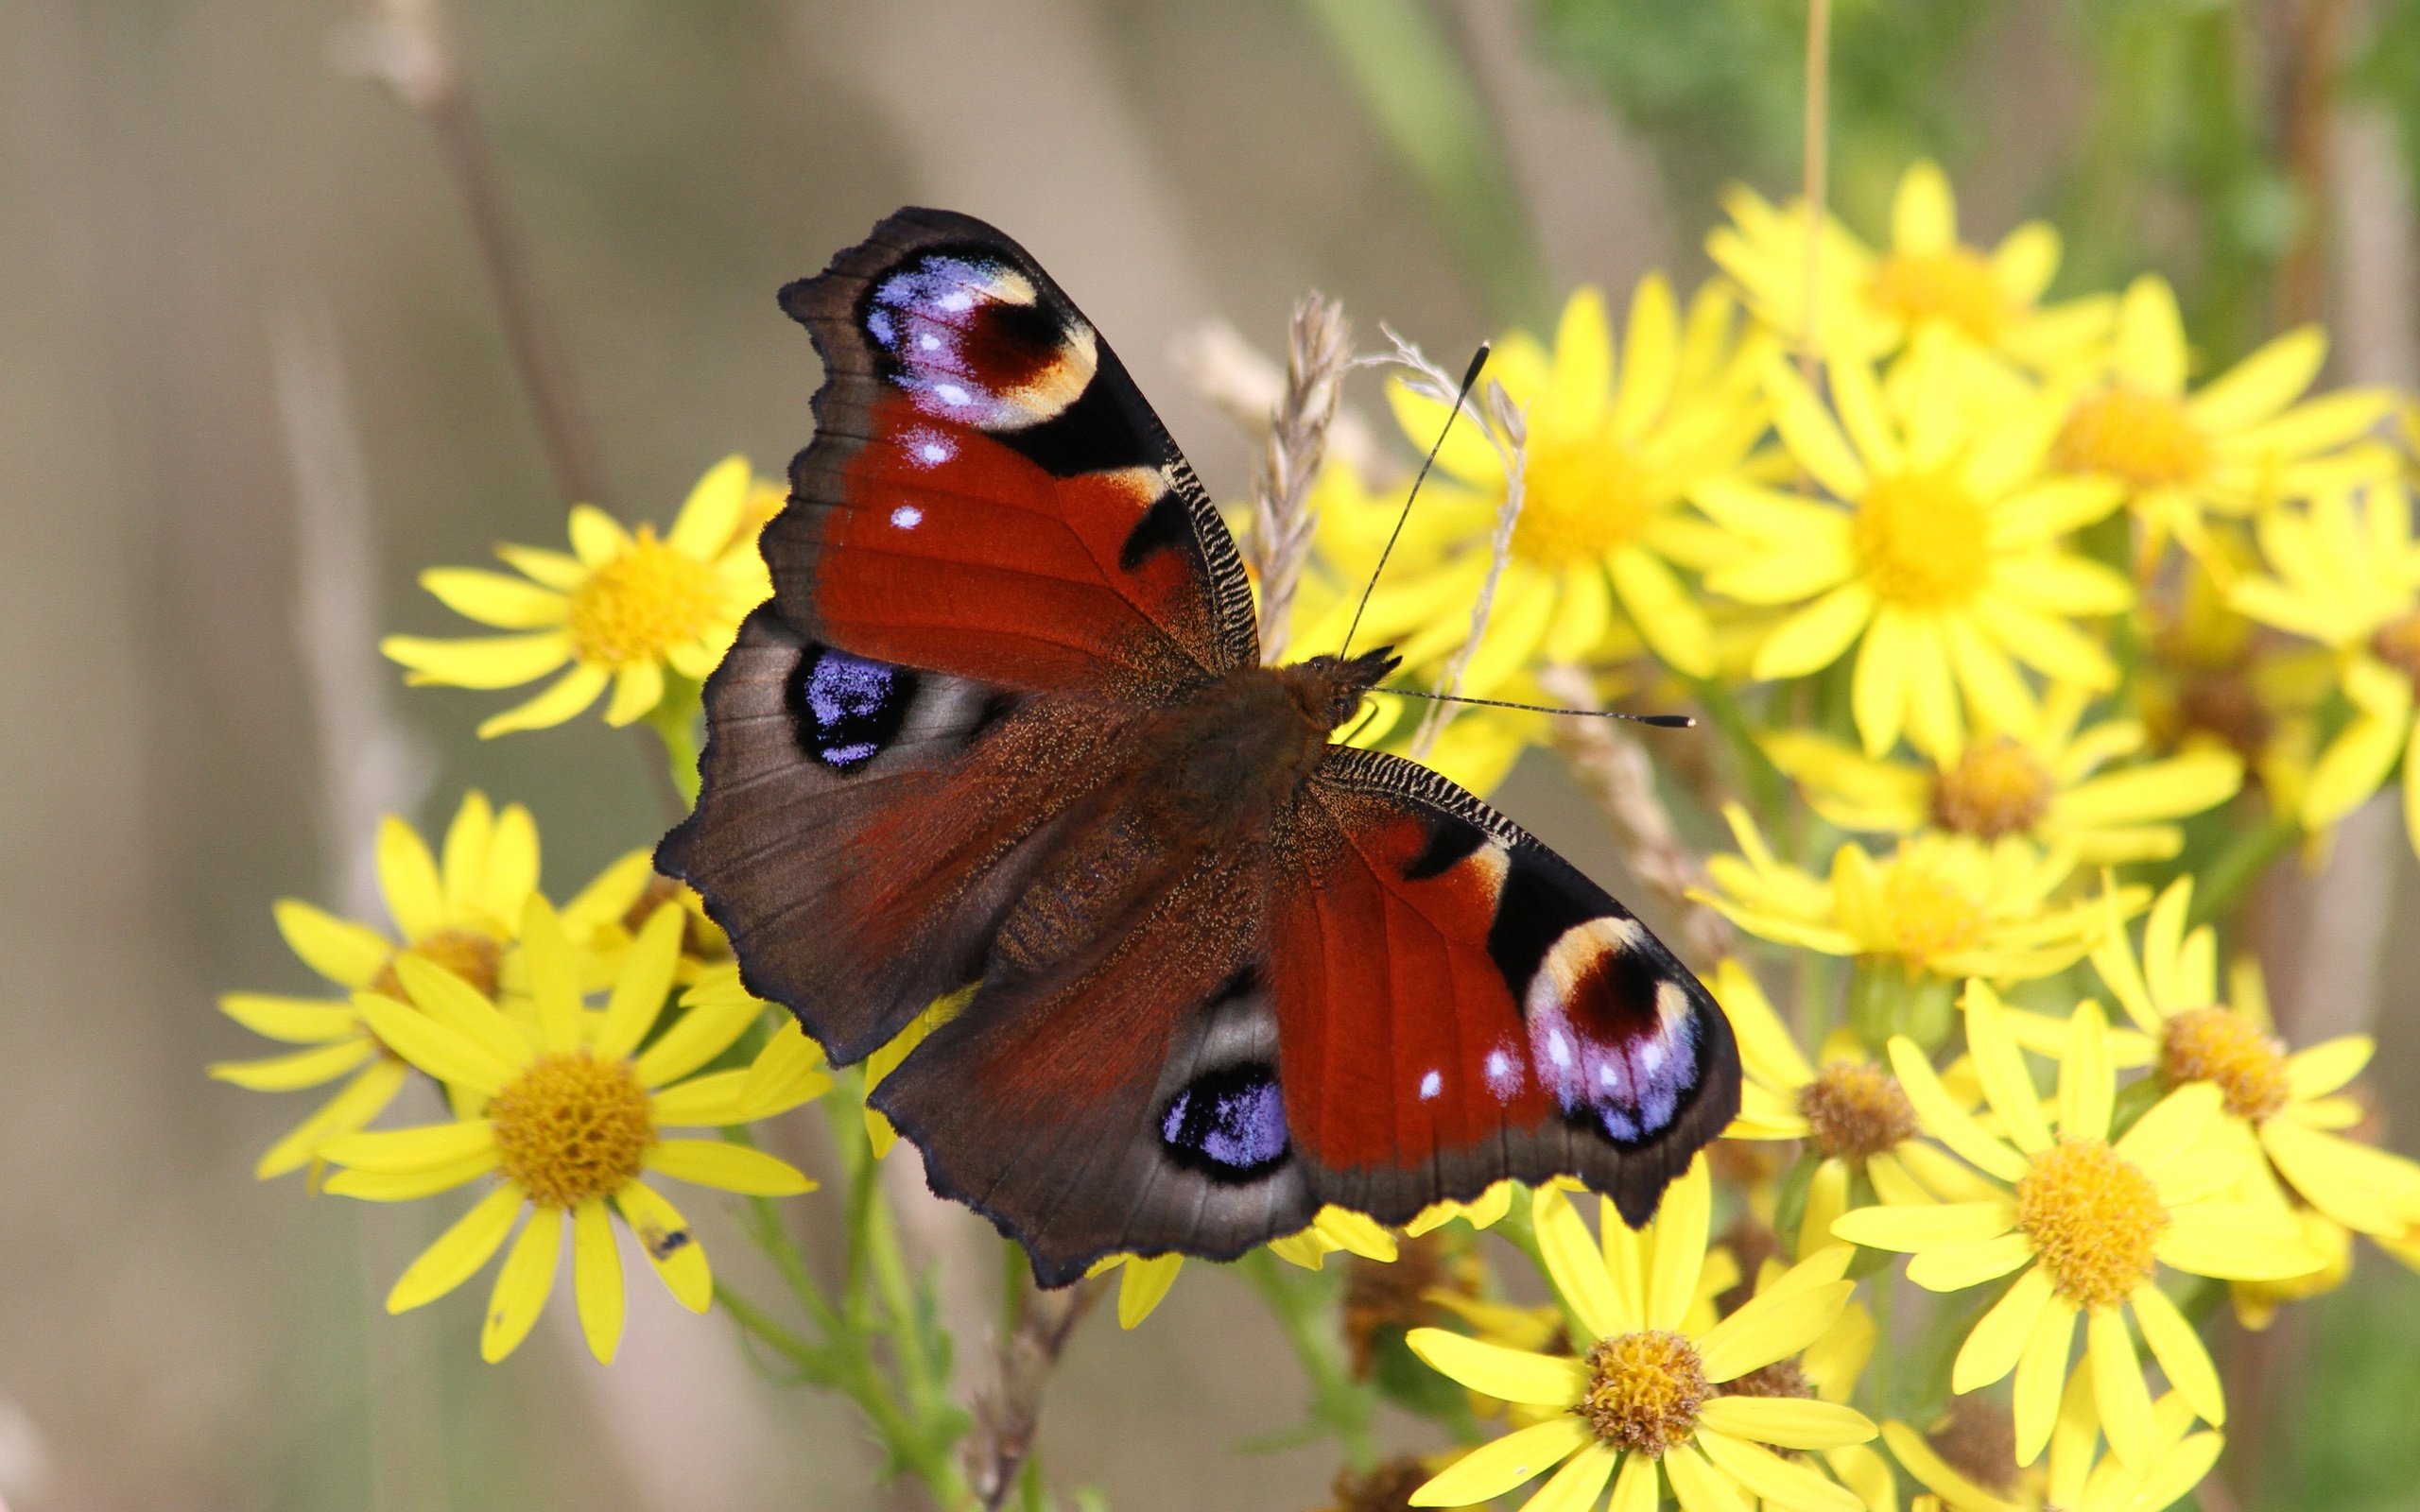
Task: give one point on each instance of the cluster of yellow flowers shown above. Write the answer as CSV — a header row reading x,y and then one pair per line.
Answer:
x,y
2009,629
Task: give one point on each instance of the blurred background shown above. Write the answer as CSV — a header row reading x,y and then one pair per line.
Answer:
x,y
252,380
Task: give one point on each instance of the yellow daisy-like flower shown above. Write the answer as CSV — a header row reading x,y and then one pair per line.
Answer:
x,y
1646,1403
1144,1281
565,1113
2349,578
620,610
2242,441
2077,1480
1929,280
1850,1111
2047,784
462,914
1612,456
2289,1104
2086,1223
1944,906
1941,555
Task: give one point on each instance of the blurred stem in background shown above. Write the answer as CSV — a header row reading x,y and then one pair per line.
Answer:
x,y
1417,88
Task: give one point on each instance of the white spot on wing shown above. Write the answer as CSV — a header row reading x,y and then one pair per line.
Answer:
x,y
1503,1077
1431,1083
957,301
951,394
906,517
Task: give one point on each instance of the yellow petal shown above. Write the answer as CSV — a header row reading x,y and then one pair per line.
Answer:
x,y
1667,616
1493,1468
670,1245
564,698
2328,1066
641,985
711,512
1584,361
363,1099
459,1006
2007,1084
1770,1327
2171,1126
458,1253
1465,454
1969,1262
1142,1283
345,953
478,661
556,570
2232,1241
1698,1485
1790,1422
295,1020
637,689
2087,1085
2117,1389
443,1053
1576,1486
1634,1489
597,1278
1911,1230
315,1067
2180,1353
2150,338
411,1186
1879,687
412,1149
1935,1476
1576,1267
1811,436
1650,357
1508,1375
1680,1238
704,1032
493,598
2041,1372
730,1167
787,1072
1774,1478
1999,1338
1924,217
596,538
1947,1122
512,870
1815,636
522,1285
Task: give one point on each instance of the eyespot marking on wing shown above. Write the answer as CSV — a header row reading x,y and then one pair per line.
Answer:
x,y
1611,1036
1228,1122
848,709
970,339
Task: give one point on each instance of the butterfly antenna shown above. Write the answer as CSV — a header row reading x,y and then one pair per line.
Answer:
x,y
1659,721
1470,376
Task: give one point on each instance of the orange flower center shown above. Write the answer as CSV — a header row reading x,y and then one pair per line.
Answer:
x,y
1929,915
643,603
2397,644
1644,1390
2094,1218
476,958
1956,287
1924,540
572,1128
1854,1110
2145,438
1583,498
1997,787
2221,1046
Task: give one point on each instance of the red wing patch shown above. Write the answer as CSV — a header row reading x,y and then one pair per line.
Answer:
x,y
987,493
1457,1005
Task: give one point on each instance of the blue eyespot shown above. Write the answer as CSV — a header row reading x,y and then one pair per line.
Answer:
x,y
1229,1123
849,708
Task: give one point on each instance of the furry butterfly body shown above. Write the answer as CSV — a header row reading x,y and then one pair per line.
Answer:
x,y
1004,725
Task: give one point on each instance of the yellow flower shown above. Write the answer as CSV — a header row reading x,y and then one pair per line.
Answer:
x,y
565,1111
1944,907
1928,281
2084,1223
1143,1281
620,610
2350,579
2286,1104
2211,675
2076,1480
1645,1404
2236,445
604,916
2046,783
462,914
1608,470
1942,552
1851,1114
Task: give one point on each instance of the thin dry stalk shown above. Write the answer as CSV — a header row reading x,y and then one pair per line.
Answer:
x,y
1007,1416
1509,429
1816,170
409,48
1245,384
1612,766
1319,350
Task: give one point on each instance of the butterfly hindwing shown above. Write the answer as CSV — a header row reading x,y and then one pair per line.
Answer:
x,y
987,493
1459,1004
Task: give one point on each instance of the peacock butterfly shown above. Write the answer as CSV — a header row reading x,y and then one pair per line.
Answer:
x,y
1004,723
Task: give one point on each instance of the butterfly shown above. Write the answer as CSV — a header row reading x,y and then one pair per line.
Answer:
x,y
1004,727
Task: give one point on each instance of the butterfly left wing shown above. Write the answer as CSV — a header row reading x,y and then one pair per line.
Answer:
x,y
1458,1004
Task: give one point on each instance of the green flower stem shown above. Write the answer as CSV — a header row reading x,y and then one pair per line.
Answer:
x,y
1767,788
1301,1301
2247,858
674,719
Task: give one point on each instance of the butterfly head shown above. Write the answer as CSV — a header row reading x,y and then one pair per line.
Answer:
x,y
1330,689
